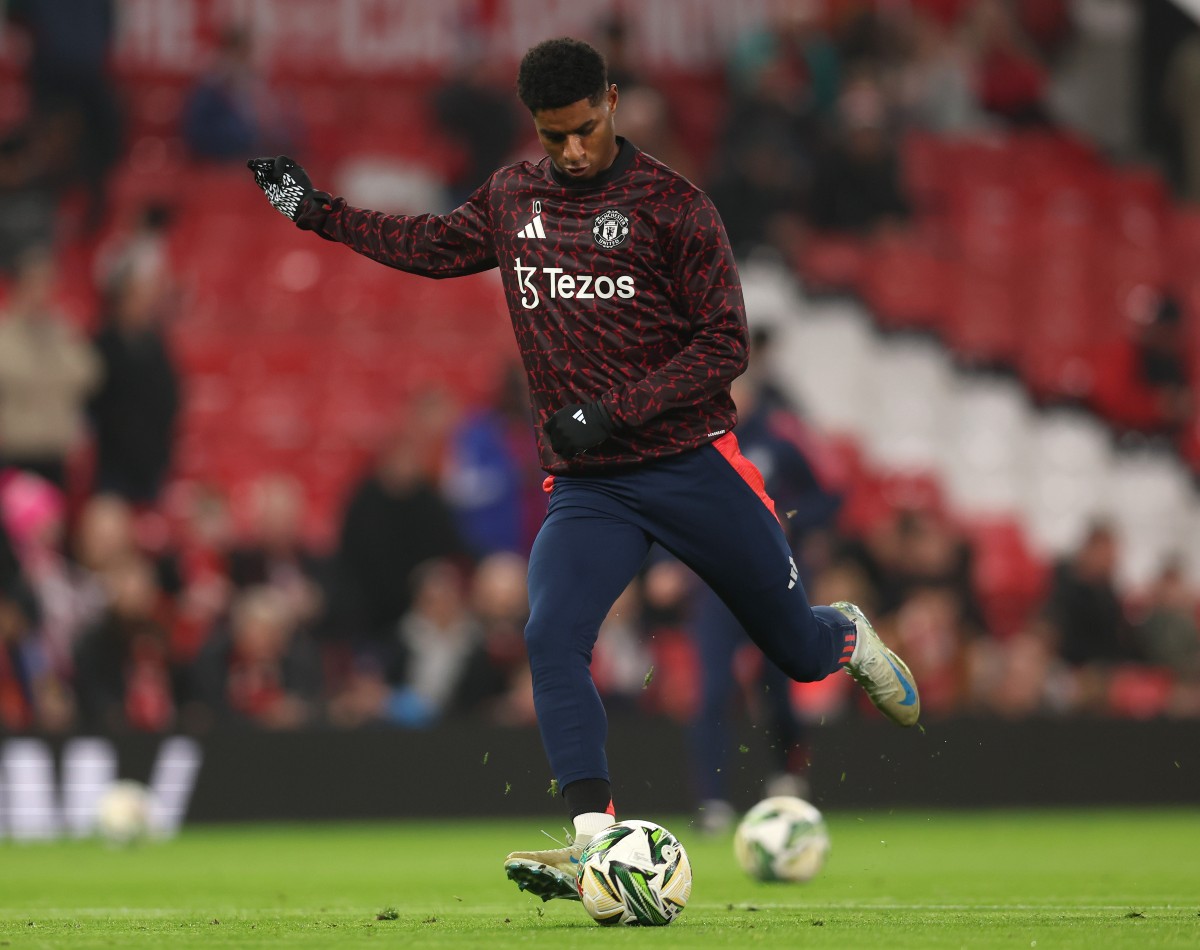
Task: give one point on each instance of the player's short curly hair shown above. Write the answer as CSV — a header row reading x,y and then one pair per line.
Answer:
x,y
557,72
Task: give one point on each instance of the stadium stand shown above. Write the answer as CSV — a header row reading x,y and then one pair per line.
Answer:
x,y
976,358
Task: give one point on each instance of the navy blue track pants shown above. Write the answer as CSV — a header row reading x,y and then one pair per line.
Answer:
x,y
706,507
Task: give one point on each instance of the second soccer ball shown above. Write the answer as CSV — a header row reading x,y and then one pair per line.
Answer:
x,y
782,839
123,813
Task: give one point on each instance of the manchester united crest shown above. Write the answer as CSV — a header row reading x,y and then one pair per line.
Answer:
x,y
610,228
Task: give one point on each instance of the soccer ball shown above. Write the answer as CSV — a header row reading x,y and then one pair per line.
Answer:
x,y
634,872
782,839
123,813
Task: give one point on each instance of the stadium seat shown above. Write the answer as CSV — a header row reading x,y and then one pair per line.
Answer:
x,y
829,353
985,435
912,386
905,282
1065,478
983,319
831,263
1009,579
1152,503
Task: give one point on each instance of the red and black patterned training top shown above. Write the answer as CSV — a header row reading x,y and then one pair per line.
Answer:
x,y
622,288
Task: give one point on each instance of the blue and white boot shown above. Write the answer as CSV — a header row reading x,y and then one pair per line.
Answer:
x,y
886,678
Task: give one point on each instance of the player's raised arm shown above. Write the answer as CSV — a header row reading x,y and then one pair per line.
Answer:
x,y
448,245
707,287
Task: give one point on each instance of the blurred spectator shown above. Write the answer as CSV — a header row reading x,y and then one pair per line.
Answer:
x,y
760,195
437,664
258,668
646,121
932,554
203,539
34,515
1181,89
134,411
929,627
395,520
1167,630
1018,677
500,600
1047,23
103,537
34,158
32,695
231,112
123,674
492,477
937,82
75,108
1012,83
440,665
1096,73
11,577
782,80
275,554
857,184
1145,379
474,109
140,248
621,660
790,57
104,532
1161,351
1083,613
47,371
666,592
920,568
613,41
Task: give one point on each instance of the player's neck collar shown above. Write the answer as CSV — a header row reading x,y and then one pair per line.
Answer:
x,y
625,154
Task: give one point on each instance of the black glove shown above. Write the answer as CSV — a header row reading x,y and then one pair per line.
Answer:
x,y
577,428
285,184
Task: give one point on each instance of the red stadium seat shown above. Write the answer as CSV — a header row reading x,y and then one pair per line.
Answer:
x,y
830,263
905,282
1008,579
983,319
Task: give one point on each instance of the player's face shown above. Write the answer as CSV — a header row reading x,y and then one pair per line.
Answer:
x,y
581,139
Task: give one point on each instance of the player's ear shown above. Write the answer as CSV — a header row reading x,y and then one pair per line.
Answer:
x,y
612,97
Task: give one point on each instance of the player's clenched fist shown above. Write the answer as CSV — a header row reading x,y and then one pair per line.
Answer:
x,y
286,185
577,428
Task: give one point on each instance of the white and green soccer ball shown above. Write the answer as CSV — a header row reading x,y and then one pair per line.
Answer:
x,y
123,813
782,839
634,872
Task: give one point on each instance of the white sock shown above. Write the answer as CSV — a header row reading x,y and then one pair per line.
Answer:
x,y
591,823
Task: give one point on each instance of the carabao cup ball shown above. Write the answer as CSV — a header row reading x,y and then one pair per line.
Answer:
x,y
123,813
782,839
634,872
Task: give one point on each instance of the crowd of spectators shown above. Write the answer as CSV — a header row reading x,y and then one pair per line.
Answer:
x,y
129,616
129,602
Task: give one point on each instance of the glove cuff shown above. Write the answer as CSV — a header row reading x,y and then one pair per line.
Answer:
x,y
603,416
313,210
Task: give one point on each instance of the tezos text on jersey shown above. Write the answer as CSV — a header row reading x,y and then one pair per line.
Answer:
x,y
567,286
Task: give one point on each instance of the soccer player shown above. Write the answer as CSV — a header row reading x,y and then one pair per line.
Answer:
x,y
627,309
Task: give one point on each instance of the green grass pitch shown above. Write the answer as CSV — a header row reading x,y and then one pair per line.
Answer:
x,y
922,880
